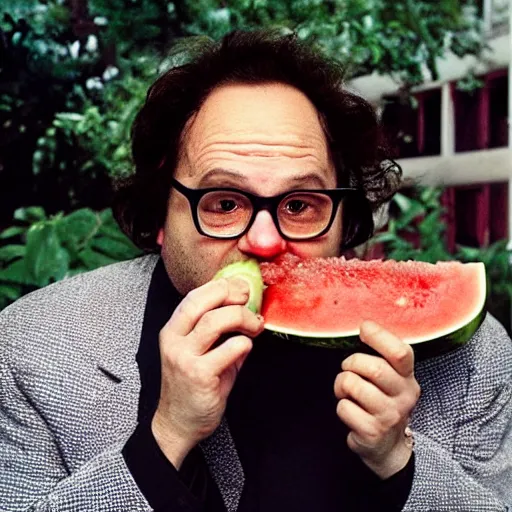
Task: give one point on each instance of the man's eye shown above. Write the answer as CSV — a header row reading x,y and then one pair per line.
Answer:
x,y
295,206
227,205
220,204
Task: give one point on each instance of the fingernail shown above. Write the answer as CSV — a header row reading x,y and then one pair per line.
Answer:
x,y
369,326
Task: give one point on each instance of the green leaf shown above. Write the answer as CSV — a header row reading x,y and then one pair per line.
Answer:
x,y
430,196
10,252
431,224
435,252
392,226
12,232
10,291
17,272
110,228
78,270
92,260
78,228
495,249
46,259
468,253
30,214
385,237
415,211
69,116
401,244
107,216
115,233
116,249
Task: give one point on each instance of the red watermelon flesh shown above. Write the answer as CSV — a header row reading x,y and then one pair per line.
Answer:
x,y
330,297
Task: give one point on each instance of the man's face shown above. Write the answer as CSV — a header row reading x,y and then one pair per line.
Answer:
x,y
265,139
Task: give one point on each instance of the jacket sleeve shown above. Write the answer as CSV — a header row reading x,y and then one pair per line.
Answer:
x,y
463,428
34,475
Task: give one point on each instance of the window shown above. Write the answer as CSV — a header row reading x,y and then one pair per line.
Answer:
x,y
414,130
430,123
400,121
481,115
498,108
476,214
469,131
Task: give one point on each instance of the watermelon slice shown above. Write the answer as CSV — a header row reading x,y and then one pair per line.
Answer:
x,y
322,301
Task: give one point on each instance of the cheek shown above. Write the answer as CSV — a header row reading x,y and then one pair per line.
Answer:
x,y
318,249
192,260
335,233
180,257
179,224
327,246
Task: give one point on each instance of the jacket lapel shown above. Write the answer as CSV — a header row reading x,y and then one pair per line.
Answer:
x,y
116,360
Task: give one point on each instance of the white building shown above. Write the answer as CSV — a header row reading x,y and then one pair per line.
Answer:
x,y
459,139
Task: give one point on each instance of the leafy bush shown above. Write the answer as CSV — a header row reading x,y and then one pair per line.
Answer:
x,y
102,134
39,250
416,231
497,259
74,73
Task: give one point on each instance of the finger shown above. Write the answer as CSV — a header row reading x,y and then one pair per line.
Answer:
x,y
360,422
367,395
232,352
376,370
399,354
205,298
227,319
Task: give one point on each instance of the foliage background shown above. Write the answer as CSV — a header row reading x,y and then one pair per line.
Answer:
x,y
73,74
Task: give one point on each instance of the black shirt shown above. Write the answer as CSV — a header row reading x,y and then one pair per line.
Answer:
x,y
282,416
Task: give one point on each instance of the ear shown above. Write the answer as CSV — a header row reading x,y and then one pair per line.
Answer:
x,y
160,237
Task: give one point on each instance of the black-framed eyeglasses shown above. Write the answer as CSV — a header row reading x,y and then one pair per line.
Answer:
x,y
228,213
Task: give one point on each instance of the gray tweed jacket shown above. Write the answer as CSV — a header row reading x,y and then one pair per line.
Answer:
x,y
69,390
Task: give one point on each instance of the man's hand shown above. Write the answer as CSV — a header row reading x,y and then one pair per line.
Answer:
x,y
196,378
376,397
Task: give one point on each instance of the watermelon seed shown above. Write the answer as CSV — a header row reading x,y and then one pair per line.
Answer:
x,y
335,302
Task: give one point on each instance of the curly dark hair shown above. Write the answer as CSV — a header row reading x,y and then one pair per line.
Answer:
x,y
355,139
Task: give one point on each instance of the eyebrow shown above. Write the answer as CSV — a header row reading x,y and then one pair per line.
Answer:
x,y
219,176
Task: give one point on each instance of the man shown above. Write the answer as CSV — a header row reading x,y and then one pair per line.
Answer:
x,y
148,386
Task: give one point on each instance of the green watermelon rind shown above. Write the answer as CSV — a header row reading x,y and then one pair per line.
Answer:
x,y
423,350
249,271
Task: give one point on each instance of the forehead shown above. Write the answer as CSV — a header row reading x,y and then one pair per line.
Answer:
x,y
257,130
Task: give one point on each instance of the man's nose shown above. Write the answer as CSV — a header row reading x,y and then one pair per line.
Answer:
x,y
263,239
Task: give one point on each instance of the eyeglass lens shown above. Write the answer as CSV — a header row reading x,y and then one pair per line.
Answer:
x,y
300,214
